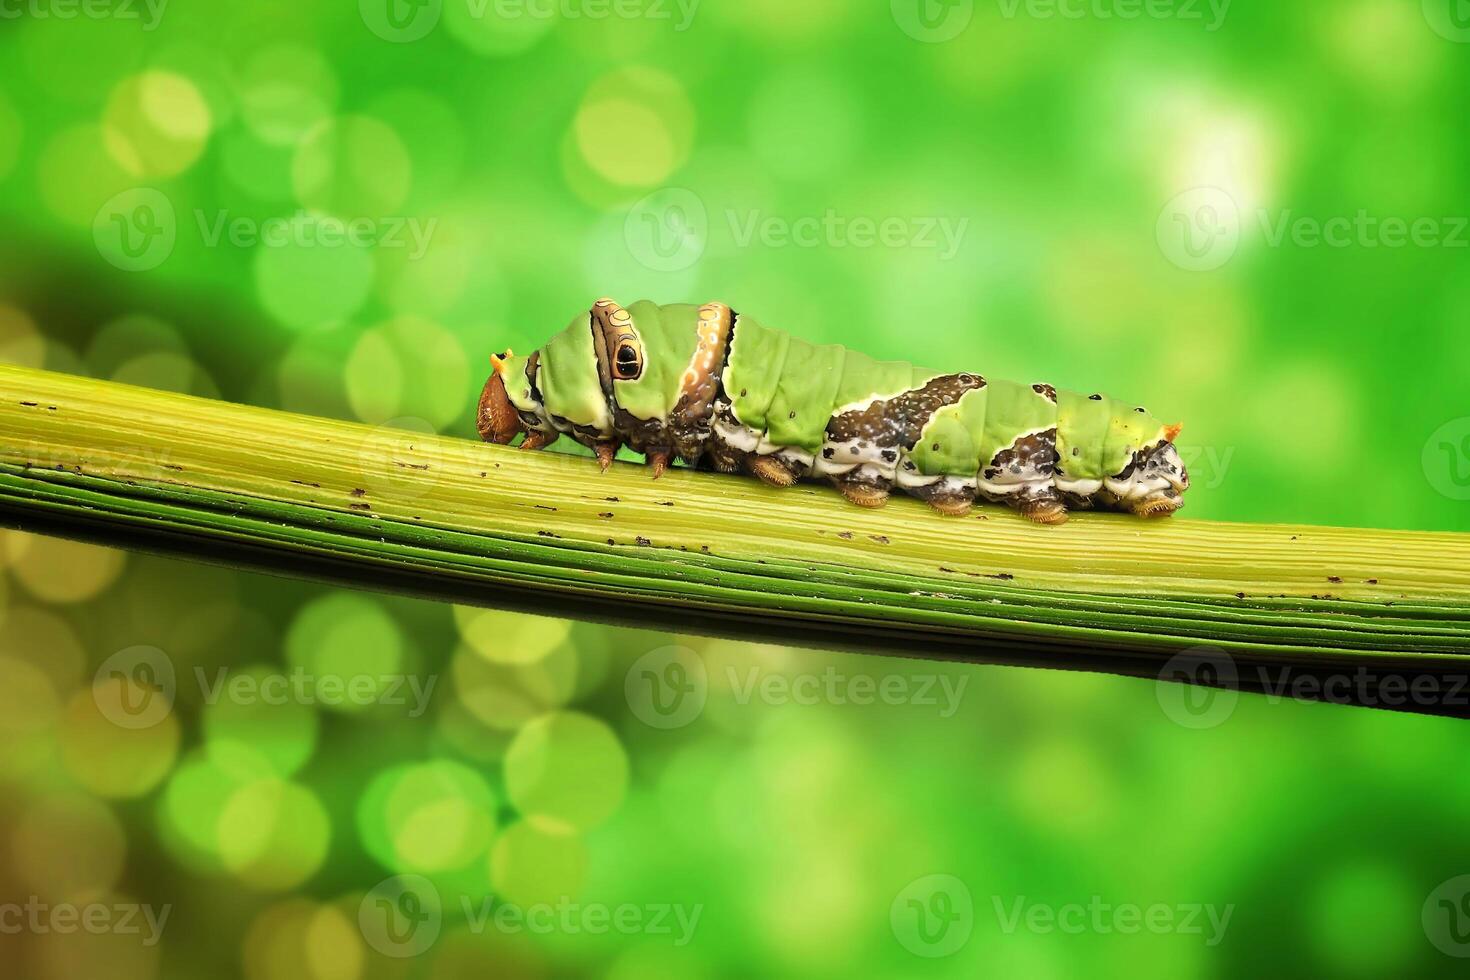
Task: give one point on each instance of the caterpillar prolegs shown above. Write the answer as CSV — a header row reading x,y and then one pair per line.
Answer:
x,y
719,389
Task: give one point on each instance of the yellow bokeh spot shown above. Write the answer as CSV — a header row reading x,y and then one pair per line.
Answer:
x,y
355,167
635,127
408,367
108,758
114,953
299,939
285,91
77,175
155,124
492,33
510,638
273,835
506,696
20,342
58,570
531,865
167,371
28,701
428,818
566,771
68,846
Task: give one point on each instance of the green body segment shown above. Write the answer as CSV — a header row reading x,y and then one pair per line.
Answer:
x,y
950,444
1129,429
805,396
1082,425
753,373
1013,410
790,389
569,378
669,335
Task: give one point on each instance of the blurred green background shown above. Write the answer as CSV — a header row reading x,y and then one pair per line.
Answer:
x,y
1249,215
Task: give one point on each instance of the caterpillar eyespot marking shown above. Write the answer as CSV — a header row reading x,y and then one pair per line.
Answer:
x,y
722,391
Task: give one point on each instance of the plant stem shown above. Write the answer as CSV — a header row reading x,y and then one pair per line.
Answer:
x,y
463,521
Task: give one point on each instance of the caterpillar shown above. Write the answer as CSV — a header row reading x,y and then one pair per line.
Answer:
x,y
721,390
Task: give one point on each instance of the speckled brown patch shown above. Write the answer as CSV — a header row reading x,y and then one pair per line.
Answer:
x,y
1032,457
1046,390
900,420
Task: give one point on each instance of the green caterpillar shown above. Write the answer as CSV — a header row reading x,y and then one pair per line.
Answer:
x,y
719,389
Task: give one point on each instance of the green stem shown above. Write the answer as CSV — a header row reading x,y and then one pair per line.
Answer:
x,y
463,521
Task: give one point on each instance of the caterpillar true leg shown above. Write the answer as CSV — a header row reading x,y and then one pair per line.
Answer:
x,y
538,439
659,460
606,453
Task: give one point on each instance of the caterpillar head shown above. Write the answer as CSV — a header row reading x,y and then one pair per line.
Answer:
x,y
1160,478
497,419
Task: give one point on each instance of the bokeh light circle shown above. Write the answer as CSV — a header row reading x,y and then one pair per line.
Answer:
x,y
530,865
20,342
509,638
353,166
77,176
349,648
299,939
273,835
566,770
107,759
260,710
285,91
486,32
155,124
506,696
58,570
635,126
428,818
407,366
308,274
68,846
